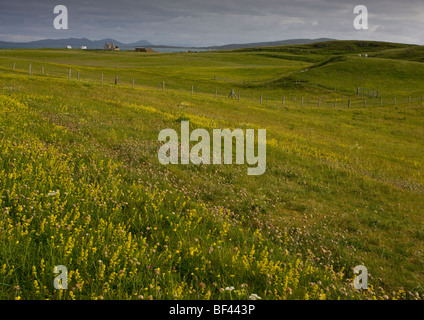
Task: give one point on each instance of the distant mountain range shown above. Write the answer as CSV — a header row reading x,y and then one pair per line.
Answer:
x,y
99,44
74,42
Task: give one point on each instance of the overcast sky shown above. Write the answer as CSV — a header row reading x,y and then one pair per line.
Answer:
x,y
212,22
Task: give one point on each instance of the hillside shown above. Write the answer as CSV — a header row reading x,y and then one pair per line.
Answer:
x,y
81,185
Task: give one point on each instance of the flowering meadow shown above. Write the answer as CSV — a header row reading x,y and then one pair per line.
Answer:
x,y
80,186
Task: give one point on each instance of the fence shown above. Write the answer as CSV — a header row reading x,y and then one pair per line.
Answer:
x,y
363,97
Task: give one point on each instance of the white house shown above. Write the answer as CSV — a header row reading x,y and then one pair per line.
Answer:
x,y
68,47
83,48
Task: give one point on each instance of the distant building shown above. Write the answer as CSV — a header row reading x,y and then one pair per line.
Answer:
x,y
111,47
68,47
83,48
138,49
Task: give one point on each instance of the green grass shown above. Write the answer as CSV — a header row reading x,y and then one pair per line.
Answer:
x,y
343,186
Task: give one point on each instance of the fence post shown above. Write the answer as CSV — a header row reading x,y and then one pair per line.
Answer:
x,y
365,102
29,69
78,75
335,102
409,100
163,86
101,80
42,70
284,100
13,66
116,79
69,74
133,83
302,102
192,89
348,104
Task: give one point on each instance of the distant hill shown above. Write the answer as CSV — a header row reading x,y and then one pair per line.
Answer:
x,y
267,44
98,44
74,42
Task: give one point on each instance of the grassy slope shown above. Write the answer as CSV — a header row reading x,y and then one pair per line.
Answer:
x,y
345,184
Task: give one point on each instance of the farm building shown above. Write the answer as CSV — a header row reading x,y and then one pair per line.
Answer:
x,y
83,48
111,47
68,47
144,50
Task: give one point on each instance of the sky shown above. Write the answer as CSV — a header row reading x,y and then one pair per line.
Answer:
x,y
212,22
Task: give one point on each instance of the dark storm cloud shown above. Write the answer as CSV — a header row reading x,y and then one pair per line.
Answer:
x,y
200,22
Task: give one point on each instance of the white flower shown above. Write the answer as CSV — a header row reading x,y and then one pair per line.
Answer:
x,y
229,288
254,296
52,193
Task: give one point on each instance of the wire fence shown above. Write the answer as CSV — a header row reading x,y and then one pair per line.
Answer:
x,y
360,97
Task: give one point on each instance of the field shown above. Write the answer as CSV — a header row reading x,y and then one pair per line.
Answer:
x,y
81,185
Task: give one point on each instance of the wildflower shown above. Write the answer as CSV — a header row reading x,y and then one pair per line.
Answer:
x,y
201,285
52,193
229,288
254,296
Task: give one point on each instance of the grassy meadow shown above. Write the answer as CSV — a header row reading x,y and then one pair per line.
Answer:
x,y
81,184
